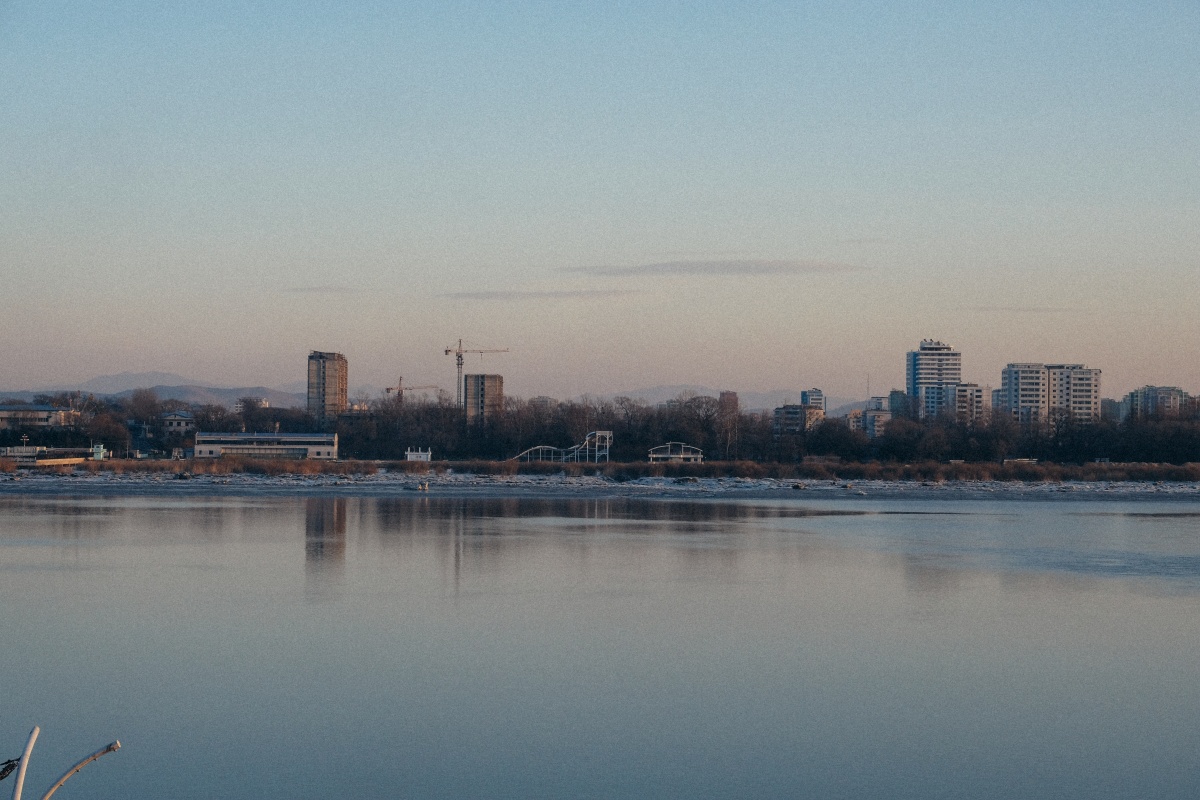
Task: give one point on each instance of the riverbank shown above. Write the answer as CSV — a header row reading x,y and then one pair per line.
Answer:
x,y
450,483
831,470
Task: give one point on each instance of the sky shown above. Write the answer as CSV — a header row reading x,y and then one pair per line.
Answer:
x,y
747,196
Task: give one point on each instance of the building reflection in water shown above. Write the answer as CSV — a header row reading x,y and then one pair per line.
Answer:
x,y
324,546
481,535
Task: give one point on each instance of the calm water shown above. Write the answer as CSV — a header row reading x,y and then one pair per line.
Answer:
x,y
297,648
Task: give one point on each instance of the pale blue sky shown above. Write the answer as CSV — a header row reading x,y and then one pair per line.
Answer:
x,y
217,188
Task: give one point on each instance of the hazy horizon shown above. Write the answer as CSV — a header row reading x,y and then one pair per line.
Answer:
x,y
740,195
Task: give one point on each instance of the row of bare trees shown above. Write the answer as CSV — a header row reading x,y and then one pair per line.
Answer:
x,y
390,425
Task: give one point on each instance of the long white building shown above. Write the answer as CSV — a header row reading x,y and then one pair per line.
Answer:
x,y
932,370
322,446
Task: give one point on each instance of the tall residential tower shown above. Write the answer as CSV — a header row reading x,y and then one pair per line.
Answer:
x,y
932,370
328,385
483,396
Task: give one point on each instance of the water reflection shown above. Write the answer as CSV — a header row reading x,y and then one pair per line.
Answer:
x,y
324,546
606,647
478,536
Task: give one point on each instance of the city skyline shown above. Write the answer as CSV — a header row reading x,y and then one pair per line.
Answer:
x,y
744,196
933,383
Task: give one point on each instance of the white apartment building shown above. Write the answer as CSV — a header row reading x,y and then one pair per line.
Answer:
x,y
874,421
1157,401
1024,393
931,370
1074,391
814,398
971,402
1035,394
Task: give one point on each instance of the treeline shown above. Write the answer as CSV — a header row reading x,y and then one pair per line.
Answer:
x,y
389,427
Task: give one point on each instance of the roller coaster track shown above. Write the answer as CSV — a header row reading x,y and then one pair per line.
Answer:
x,y
593,449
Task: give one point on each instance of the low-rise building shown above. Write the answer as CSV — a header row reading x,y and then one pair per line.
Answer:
x,y
322,446
256,402
676,452
27,416
177,422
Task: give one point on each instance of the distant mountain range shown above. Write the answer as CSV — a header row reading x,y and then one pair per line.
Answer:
x,y
171,386
168,386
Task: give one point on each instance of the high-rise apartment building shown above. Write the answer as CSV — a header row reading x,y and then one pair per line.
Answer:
x,y
970,402
483,396
1074,391
813,398
328,384
795,419
1024,393
1157,401
1040,393
931,370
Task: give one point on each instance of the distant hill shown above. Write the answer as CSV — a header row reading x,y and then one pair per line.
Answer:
x,y
169,386
199,395
127,382
845,408
206,395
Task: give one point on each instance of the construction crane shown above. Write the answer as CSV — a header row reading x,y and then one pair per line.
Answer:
x,y
458,353
400,389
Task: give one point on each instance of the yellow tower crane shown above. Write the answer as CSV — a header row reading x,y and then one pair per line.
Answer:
x,y
458,353
400,389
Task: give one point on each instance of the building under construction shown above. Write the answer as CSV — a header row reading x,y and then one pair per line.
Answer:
x,y
483,397
328,384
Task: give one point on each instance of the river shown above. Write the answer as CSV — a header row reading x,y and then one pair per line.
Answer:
x,y
502,647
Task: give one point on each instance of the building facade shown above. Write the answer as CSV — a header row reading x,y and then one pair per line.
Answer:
x,y
328,384
484,397
931,370
794,419
322,446
1157,401
1038,394
1025,393
25,416
1074,392
814,398
177,423
972,403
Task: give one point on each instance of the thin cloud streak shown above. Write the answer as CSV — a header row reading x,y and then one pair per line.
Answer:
x,y
329,289
1027,309
736,267
554,294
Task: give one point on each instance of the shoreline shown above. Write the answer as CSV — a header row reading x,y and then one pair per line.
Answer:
x,y
450,484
